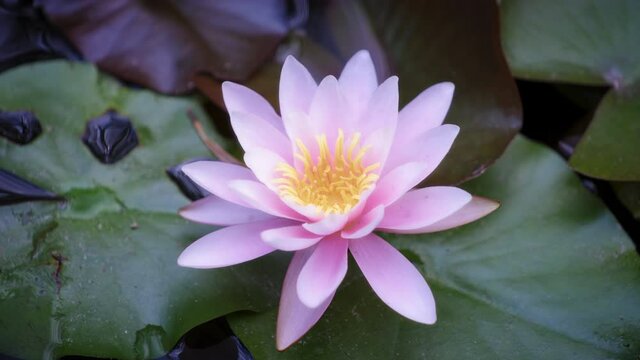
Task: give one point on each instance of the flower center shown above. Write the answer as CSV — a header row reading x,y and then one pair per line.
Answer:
x,y
334,182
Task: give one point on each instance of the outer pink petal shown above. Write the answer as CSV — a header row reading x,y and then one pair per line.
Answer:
x,y
430,148
378,125
477,208
297,89
263,163
329,111
239,98
364,224
382,110
254,133
425,112
323,271
229,246
290,238
258,196
294,318
328,225
422,207
215,176
214,211
358,81
394,279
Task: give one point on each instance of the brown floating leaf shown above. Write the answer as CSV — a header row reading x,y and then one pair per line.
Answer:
x,y
163,44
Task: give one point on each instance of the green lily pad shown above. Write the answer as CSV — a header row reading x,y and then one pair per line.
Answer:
x,y
629,195
550,275
610,148
96,274
591,42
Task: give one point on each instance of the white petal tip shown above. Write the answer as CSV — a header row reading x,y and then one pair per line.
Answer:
x,y
282,345
362,53
427,317
454,129
445,88
310,300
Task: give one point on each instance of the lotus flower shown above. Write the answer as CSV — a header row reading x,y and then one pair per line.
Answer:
x,y
338,164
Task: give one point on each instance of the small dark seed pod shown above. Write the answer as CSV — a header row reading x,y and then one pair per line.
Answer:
x,y
110,137
14,189
189,188
21,126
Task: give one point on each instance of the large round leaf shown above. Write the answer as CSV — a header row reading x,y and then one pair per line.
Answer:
x,y
163,44
579,41
550,275
96,274
610,148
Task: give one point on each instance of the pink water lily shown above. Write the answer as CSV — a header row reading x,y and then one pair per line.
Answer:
x,y
339,163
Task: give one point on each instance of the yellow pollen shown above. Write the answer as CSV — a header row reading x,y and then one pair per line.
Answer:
x,y
334,182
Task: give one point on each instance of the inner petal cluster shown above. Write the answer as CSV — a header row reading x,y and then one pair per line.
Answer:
x,y
335,181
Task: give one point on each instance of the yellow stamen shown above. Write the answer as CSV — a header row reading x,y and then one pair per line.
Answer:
x,y
334,182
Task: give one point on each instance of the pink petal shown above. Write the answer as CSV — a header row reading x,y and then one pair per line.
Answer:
x,y
290,238
215,176
263,163
214,211
422,207
323,271
239,98
328,225
425,112
258,196
477,208
430,148
297,89
396,183
394,279
229,246
294,318
382,110
358,81
329,111
253,132
364,224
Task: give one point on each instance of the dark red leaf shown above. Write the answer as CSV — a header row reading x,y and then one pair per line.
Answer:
x,y
162,44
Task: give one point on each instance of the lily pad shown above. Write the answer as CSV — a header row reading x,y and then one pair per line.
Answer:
x,y
591,42
96,274
169,42
610,148
629,195
550,275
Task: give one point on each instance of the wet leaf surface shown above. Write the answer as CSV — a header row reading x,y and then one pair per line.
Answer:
x,y
610,148
20,126
96,275
629,195
579,41
169,42
550,275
